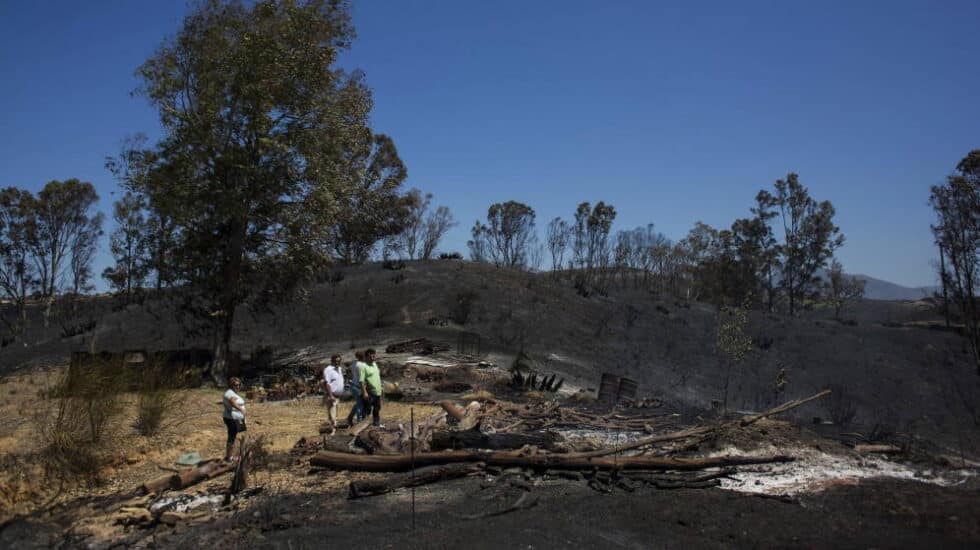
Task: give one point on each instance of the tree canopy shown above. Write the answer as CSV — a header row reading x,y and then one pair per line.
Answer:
x,y
264,139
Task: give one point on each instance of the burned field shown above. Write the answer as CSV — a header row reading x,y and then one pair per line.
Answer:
x,y
470,456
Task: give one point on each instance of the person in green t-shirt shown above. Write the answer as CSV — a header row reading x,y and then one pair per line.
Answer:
x,y
370,377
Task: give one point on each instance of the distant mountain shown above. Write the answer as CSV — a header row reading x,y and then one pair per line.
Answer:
x,y
876,289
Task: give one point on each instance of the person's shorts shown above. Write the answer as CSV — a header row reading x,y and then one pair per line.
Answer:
x,y
234,428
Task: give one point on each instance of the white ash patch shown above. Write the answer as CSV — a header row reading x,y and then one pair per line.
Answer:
x,y
600,438
814,471
185,503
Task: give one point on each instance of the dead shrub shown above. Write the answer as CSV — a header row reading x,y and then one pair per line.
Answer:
x,y
75,431
93,390
462,306
158,399
840,405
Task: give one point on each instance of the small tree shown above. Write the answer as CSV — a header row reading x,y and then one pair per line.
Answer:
x,y
411,237
841,289
732,343
83,248
559,234
129,244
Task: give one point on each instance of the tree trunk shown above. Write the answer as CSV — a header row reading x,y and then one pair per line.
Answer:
x,y
231,280
384,463
942,278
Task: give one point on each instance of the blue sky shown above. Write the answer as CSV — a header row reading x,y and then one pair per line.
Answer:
x,y
672,112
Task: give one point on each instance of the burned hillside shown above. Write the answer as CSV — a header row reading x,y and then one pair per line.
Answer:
x,y
892,364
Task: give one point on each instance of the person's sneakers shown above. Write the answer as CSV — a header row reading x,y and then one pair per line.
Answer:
x,y
379,426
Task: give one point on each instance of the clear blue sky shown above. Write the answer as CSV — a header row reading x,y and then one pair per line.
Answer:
x,y
671,112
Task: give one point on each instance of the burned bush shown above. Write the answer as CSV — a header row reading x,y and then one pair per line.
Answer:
x,y
462,306
840,405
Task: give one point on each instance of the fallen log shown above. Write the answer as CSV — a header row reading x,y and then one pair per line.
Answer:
x,y
188,477
453,410
392,463
474,439
883,449
782,408
207,471
159,484
422,476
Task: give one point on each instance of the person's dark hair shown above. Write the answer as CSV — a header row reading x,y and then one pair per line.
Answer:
x,y
233,380
369,351
359,355
336,357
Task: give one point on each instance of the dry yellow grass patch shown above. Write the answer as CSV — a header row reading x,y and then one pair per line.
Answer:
x,y
194,424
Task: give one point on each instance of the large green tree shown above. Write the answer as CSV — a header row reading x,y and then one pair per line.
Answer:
x,y
259,129
373,209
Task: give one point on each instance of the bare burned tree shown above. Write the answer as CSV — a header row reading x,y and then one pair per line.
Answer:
x,y
129,244
437,224
591,246
62,225
957,233
508,236
558,236
18,272
841,289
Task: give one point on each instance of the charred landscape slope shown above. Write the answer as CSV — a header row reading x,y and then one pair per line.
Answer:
x,y
885,363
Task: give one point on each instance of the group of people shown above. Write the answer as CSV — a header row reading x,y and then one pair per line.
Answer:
x,y
365,386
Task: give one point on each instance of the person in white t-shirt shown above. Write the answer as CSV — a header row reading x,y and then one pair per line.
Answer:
x,y
333,386
234,414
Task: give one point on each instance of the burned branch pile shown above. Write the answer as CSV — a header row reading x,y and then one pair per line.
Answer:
x,y
486,438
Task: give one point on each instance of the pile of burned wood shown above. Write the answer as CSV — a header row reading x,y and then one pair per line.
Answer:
x,y
497,436
419,346
531,381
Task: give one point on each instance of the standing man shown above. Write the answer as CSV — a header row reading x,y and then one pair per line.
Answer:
x,y
370,376
357,411
333,386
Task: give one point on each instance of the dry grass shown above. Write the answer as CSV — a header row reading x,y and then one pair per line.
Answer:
x,y
134,459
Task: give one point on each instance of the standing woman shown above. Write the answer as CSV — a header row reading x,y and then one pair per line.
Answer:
x,y
234,414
